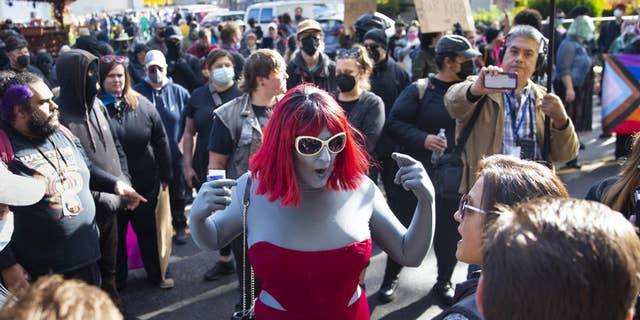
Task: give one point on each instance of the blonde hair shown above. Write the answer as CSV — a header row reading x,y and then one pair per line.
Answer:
x,y
52,297
621,191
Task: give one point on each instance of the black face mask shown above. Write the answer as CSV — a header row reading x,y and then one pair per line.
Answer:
x,y
345,82
91,82
310,45
23,61
374,54
298,17
173,49
466,69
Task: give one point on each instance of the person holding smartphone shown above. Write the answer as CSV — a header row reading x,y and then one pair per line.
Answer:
x,y
511,121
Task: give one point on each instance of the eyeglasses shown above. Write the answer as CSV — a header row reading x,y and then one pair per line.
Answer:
x,y
348,53
310,146
464,206
117,59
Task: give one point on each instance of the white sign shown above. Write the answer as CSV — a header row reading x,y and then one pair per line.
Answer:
x,y
441,15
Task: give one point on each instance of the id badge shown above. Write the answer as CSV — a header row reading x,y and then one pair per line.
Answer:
x,y
527,149
71,205
514,151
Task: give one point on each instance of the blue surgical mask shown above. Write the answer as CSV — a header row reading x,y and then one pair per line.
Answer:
x,y
222,76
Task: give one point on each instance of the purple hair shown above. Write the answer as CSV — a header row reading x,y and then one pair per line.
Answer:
x,y
17,94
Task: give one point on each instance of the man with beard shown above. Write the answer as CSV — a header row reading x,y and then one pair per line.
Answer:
x,y
183,68
310,64
20,58
57,234
88,119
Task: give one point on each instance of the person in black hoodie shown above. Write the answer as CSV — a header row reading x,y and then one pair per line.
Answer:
x,y
138,126
182,67
58,234
87,118
310,64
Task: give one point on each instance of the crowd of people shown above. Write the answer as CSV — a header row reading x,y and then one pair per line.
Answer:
x,y
307,142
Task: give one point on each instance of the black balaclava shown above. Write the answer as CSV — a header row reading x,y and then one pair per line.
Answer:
x,y
91,82
173,48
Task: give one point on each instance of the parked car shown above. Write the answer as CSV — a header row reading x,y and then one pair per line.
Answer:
x,y
263,13
213,19
333,28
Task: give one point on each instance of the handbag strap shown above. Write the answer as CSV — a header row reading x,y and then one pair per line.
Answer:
x,y
245,207
462,140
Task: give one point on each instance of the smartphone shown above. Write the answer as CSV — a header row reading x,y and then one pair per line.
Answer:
x,y
503,80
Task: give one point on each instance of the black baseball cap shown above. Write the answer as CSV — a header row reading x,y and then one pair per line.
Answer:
x,y
456,44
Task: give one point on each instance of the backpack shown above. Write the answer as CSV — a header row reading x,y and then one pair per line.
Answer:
x,y
6,150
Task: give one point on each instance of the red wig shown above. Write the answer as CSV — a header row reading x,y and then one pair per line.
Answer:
x,y
305,110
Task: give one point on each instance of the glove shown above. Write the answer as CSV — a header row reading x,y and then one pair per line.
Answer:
x,y
412,176
213,196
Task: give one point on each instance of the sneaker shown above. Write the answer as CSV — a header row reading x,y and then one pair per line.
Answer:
x,y
387,291
219,270
443,292
166,283
181,237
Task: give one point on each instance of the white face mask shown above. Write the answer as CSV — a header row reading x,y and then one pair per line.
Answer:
x,y
222,76
617,13
156,77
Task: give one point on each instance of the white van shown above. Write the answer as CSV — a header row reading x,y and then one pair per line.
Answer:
x,y
264,13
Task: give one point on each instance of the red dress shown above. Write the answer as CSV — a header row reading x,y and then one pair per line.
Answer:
x,y
311,285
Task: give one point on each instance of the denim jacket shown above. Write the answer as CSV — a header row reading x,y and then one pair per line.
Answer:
x,y
572,58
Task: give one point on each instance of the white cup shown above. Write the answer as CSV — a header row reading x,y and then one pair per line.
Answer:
x,y
216,174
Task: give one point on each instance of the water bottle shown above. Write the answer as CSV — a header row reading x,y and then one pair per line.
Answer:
x,y
435,156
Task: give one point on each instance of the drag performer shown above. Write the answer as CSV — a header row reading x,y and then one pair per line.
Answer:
x,y
313,213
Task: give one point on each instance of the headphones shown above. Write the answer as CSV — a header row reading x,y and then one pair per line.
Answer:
x,y
543,48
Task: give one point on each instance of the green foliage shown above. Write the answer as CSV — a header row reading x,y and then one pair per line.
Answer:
x,y
596,6
487,17
389,7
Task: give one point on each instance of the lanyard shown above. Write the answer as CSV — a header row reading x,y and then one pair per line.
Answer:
x,y
58,169
513,113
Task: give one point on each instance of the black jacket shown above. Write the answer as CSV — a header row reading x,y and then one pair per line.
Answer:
x,y
87,118
144,141
411,119
324,76
185,71
387,81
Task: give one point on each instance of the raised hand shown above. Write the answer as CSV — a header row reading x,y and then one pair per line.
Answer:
x,y
412,176
213,196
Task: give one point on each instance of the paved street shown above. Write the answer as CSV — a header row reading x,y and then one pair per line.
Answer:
x,y
193,298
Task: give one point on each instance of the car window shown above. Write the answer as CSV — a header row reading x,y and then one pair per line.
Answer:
x,y
253,13
266,15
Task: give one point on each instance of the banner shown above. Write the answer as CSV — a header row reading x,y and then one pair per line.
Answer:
x,y
441,15
621,93
354,9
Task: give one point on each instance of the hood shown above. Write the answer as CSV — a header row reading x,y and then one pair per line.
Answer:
x,y
71,69
88,43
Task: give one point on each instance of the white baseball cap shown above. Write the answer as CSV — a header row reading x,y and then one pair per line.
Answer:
x,y
155,58
17,190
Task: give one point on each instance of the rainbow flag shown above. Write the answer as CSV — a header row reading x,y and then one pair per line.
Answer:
x,y
621,93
